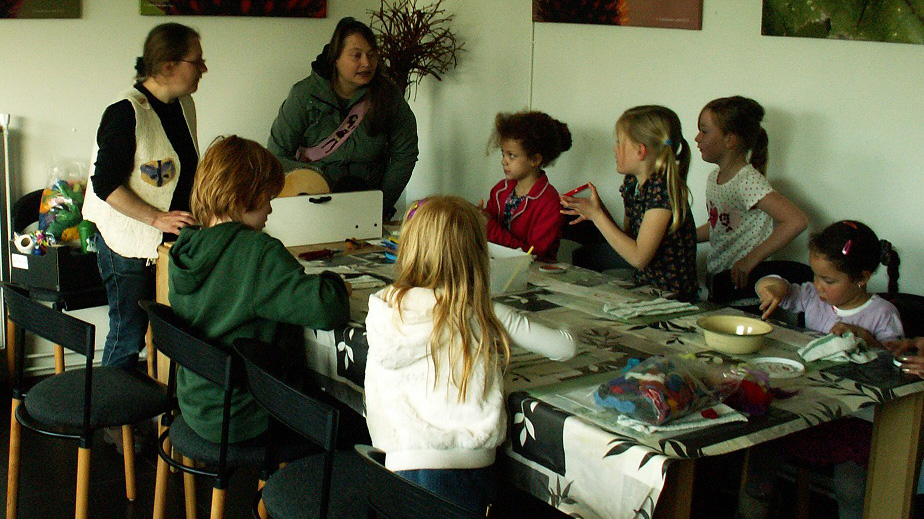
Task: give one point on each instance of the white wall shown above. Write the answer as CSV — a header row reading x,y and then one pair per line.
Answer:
x,y
843,117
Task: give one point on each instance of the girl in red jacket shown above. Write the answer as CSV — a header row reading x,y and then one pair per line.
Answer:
x,y
523,209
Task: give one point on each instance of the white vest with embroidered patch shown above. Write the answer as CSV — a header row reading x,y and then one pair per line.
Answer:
x,y
153,179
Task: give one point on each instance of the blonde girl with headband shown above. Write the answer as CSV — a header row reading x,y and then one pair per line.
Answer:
x,y
659,238
438,348
843,257
748,220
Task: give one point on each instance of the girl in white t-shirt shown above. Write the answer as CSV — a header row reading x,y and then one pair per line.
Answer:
x,y
748,220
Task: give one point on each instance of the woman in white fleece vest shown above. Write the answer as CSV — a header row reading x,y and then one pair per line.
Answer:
x,y
143,166
437,351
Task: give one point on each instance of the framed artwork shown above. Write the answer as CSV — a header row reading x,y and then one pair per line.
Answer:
x,y
897,21
670,14
40,8
281,8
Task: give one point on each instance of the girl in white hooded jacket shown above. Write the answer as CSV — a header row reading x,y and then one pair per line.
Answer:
x,y
437,350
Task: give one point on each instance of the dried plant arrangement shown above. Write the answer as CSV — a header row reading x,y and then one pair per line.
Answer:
x,y
415,42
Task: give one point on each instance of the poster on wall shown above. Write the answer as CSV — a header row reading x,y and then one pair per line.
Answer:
x,y
897,21
670,14
40,8
287,8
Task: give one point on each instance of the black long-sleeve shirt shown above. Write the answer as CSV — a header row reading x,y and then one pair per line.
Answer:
x,y
115,159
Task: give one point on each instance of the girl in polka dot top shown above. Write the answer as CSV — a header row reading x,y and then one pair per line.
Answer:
x,y
748,220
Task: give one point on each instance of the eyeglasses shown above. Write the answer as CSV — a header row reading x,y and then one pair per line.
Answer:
x,y
197,62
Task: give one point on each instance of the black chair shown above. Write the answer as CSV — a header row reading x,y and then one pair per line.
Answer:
x,y
723,291
393,497
199,456
302,488
73,404
593,251
910,309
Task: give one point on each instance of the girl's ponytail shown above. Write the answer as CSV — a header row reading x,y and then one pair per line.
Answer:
x,y
890,259
759,152
658,128
674,164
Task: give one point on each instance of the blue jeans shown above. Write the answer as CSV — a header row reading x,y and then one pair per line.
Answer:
x,y
474,489
127,281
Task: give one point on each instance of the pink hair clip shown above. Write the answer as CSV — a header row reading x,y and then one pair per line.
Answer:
x,y
846,250
415,207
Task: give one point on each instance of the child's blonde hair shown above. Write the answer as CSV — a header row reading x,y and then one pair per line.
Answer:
x,y
444,248
658,129
235,176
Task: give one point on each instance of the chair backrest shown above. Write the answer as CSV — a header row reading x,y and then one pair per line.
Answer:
x,y
300,412
62,329
305,415
52,325
174,339
393,497
26,210
911,310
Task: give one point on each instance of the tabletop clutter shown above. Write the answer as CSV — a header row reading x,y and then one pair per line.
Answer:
x,y
661,389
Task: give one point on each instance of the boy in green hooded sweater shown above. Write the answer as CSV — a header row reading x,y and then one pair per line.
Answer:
x,y
228,279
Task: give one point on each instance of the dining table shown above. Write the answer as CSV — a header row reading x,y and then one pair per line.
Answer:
x,y
588,462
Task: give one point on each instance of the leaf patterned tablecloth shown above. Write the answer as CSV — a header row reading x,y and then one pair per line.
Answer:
x,y
590,471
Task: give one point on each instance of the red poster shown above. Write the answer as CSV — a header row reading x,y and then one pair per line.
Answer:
x,y
282,8
671,14
40,8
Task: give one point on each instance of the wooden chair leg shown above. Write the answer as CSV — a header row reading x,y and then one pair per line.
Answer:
x,y
12,481
189,488
59,359
160,485
803,493
218,503
10,350
261,510
83,482
151,355
128,447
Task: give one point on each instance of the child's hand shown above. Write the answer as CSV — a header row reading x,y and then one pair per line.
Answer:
x,y
911,354
840,328
585,208
771,293
740,272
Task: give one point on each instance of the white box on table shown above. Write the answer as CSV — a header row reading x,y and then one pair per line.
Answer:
x,y
507,263
325,218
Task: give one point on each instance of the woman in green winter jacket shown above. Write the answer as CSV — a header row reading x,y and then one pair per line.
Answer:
x,y
348,121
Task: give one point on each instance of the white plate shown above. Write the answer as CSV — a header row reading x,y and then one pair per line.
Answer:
x,y
778,367
553,268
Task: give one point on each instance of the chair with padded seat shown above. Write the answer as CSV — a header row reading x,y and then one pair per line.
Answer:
x,y
201,457
395,497
73,404
910,309
301,489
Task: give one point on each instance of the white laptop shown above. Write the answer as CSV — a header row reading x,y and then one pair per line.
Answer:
x,y
332,217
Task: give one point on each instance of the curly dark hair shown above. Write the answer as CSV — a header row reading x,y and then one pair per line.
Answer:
x,y
537,132
854,249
